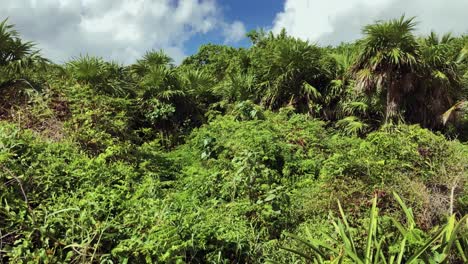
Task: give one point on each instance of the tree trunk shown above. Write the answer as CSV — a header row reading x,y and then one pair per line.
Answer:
x,y
393,102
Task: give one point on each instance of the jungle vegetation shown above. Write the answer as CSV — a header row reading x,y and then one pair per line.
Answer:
x,y
283,152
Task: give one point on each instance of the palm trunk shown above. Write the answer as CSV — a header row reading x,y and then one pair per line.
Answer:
x,y
393,102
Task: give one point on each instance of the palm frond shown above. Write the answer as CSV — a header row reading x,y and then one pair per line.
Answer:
x,y
152,59
351,125
452,110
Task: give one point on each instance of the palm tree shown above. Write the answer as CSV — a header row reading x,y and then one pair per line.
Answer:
x,y
16,56
341,87
150,60
157,76
289,71
439,81
388,61
197,83
106,77
236,87
164,94
87,69
162,83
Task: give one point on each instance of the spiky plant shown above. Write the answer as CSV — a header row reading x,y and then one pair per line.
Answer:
x,y
87,69
383,246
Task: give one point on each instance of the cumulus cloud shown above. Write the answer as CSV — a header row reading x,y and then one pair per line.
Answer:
x,y
121,30
234,32
335,21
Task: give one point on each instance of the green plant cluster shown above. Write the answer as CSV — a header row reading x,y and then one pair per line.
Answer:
x,y
238,155
404,244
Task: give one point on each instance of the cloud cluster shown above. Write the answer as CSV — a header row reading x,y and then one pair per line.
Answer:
x,y
121,30
335,21
234,32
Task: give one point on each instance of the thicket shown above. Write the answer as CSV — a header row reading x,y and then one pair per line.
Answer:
x,y
283,152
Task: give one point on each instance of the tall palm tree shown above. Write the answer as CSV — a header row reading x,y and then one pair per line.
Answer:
x,y
388,61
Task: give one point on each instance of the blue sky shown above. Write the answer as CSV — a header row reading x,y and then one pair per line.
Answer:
x,y
254,14
123,30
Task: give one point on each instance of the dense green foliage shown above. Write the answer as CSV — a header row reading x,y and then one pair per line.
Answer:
x,y
238,155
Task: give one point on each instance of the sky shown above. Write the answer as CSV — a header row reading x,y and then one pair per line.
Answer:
x,y
123,30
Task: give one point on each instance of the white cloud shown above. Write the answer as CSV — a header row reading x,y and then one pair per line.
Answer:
x,y
234,32
334,21
121,30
